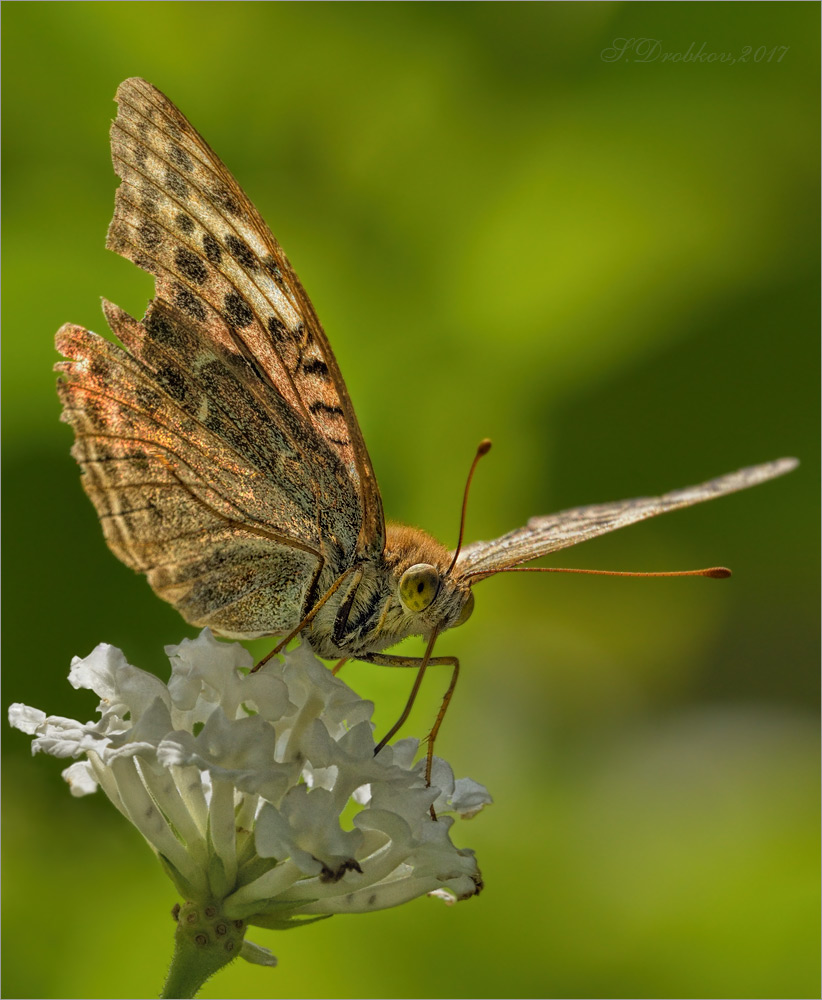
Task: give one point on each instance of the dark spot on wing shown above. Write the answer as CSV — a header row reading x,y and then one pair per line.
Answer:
x,y
237,313
159,328
241,252
140,155
99,452
273,268
173,382
184,223
277,329
318,406
98,367
189,303
149,234
148,201
212,248
213,371
214,422
180,157
190,265
315,367
92,411
146,263
176,184
147,398
170,126
223,197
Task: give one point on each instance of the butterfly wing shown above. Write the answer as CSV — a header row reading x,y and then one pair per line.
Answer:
x,y
570,527
181,216
195,485
220,448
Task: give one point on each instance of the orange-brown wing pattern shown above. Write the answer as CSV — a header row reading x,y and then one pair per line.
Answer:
x,y
195,483
218,444
181,216
570,527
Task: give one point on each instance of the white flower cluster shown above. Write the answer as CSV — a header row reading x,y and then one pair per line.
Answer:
x,y
261,790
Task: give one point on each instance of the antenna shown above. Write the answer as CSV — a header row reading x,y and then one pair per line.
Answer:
x,y
483,448
714,572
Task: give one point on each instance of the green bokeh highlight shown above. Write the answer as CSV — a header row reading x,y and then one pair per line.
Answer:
x,y
610,268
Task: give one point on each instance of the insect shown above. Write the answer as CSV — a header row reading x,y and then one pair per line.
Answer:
x,y
221,449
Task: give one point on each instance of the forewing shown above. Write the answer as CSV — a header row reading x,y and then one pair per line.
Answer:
x,y
570,527
181,216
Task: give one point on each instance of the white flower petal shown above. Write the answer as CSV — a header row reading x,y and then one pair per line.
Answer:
x,y
60,737
442,777
274,838
403,752
447,897
123,689
25,718
80,778
362,795
469,798
205,669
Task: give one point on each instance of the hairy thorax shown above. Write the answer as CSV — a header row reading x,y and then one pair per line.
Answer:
x,y
365,613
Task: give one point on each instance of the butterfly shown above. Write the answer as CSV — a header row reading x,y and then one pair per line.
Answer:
x,y
219,444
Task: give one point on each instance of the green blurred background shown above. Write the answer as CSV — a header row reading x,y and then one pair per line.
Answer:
x,y
610,267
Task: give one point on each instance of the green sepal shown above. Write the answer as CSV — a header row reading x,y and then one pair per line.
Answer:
x,y
246,849
274,923
243,911
217,879
252,868
257,955
215,870
277,904
181,884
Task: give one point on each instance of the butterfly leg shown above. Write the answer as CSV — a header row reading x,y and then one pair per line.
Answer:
x,y
446,701
307,618
420,662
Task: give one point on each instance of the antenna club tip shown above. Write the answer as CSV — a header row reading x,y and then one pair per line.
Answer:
x,y
718,573
484,446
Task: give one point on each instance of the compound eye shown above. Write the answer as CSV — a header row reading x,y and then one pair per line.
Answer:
x,y
419,586
467,610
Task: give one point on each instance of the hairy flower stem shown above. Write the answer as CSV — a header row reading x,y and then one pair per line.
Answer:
x,y
205,940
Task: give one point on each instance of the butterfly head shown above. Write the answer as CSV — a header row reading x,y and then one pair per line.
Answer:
x,y
428,594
